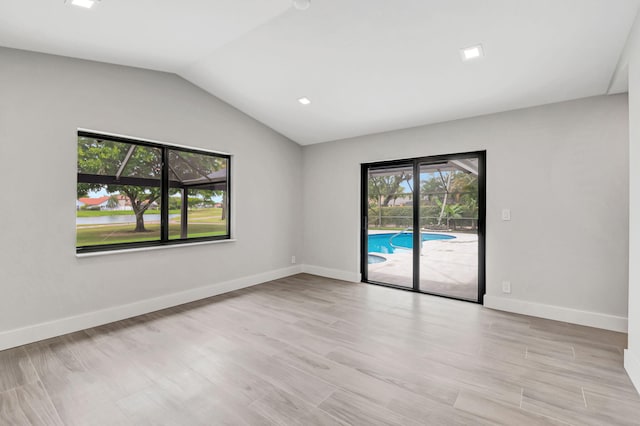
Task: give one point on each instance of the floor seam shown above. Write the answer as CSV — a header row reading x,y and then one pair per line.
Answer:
x,y
521,396
44,387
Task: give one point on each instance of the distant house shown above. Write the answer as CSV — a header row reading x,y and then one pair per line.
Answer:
x,y
401,201
153,205
102,203
123,203
99,203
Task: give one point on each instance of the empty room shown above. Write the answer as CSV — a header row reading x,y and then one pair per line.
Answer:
x,y
320,212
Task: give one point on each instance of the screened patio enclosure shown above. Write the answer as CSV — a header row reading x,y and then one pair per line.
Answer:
x,y
174,193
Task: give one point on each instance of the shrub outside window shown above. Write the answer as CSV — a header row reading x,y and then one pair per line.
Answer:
x,y
133,193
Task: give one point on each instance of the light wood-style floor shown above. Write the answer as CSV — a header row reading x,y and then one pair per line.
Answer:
x,y
312,351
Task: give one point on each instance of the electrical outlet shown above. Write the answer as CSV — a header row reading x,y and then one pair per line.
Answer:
x,y
293,259
506,287
506,214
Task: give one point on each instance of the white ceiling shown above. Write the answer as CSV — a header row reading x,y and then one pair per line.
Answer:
x,y
367,65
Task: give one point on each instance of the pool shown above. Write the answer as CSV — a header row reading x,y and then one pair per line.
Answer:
x,y
393,242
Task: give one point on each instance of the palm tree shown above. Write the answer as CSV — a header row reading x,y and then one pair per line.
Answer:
x,y
450,211
113,202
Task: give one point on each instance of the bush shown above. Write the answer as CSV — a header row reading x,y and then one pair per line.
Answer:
x,y
402,216
394,216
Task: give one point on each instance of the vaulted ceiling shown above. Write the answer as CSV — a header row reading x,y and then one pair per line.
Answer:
x,y
366,65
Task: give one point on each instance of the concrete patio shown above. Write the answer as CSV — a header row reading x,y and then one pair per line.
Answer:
x,y
447,267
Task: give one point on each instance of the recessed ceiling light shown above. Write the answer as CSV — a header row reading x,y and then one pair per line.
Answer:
x,y
304,101
301,4
87,4
473,52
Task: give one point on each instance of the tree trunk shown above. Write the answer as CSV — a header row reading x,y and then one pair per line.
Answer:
x,y
140,222
184,213
444,202
224,205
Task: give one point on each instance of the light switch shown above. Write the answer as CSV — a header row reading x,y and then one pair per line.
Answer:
x,y
506,214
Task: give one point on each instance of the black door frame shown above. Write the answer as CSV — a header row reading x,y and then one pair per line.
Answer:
x,y
416,163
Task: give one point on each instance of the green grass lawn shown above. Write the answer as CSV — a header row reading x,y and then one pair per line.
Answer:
x,y
202,223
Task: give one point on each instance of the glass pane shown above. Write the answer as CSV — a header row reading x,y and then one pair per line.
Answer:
x,y
118,159
449,228
195,168
198,191
114,214
118,192
390,232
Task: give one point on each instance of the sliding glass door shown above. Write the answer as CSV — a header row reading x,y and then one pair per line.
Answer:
x,y
423,225
390,224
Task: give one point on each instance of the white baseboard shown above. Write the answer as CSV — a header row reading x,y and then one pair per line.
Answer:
x,y
336,274
632,365
558,313
58,327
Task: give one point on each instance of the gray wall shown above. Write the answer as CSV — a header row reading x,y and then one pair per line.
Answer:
x,y
632,357
562,169
43,99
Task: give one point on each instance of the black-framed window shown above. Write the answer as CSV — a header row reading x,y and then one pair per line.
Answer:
x,y
133,193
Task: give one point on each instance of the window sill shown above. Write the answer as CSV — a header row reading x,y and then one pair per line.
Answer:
x,y
168,246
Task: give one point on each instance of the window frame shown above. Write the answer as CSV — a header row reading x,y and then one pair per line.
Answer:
x,y
416,163
164,197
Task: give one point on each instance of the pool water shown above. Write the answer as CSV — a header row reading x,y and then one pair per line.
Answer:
x,y
393,242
